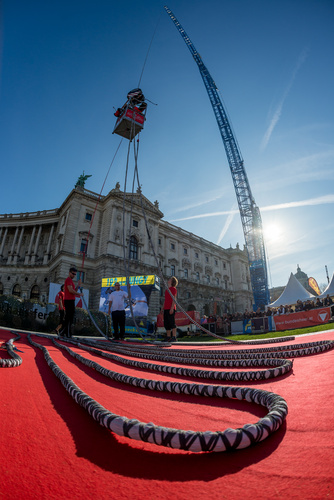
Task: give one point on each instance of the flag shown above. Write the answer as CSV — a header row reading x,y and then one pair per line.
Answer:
x,y
313,284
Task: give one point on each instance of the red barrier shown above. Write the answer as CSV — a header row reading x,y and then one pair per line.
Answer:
x,y
302,319
180,318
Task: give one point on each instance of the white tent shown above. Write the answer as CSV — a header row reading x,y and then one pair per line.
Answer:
x,y
292,292
329,290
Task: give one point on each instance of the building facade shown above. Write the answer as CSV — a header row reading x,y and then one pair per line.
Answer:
x,y
37,248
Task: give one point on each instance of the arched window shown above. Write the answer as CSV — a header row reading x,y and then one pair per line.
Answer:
x,y
17,290
34,293
133,248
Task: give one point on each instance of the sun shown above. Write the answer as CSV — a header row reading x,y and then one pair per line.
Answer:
x,y
272,233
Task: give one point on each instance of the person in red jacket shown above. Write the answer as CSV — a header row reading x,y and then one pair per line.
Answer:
x,y
61,307
70,293
169,309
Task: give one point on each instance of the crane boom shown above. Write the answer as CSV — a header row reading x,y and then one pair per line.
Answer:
x,y
249,211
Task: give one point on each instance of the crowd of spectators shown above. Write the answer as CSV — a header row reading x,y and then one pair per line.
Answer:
x,y
225,320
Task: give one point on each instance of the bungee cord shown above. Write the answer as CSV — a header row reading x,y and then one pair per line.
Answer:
x,y
273,359
15,360
281,366
126,258
194,441
97,203
214,356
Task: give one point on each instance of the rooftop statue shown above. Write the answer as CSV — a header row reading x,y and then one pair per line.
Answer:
x,y
82,179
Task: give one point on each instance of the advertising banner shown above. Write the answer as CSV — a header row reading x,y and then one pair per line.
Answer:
x,y
141,288
54,289
314,285
302,319
180,318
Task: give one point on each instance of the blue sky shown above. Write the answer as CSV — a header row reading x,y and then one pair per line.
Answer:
x,y
65,66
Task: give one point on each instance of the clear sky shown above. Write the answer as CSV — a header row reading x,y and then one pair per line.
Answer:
x,y
66,64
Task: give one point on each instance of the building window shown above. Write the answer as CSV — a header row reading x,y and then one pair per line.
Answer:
x,y
217,281
186,273
88,216
17,290
172,270
81,276
216,262
196,255
1,288
159,241
207,278
188,295
133,248
225,282
135,223
224,265
185,251
34,293
197,276
83,246
206,259
172,246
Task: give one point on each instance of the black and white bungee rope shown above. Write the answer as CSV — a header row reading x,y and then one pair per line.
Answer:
x,y
280,367
15,360
229,439
213,356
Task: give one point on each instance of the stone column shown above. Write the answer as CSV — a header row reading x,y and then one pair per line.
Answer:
x,y
10,256
27,257
46,256
33,257
19,246
3,241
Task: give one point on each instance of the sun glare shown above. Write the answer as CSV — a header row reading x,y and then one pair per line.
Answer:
x,y
272,233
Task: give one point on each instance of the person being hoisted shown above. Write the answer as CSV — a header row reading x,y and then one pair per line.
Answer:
x,y
131,116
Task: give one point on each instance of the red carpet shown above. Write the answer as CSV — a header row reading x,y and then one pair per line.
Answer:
x,y
51,448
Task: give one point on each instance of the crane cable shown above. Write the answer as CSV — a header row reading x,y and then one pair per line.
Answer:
x,y
141,75
148,51
126,258
97,203
92,220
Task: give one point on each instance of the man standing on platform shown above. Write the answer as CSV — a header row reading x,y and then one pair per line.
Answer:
x,y
70,293
116,305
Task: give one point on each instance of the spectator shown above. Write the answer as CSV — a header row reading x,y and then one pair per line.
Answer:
x,y
328,301
318,302
70,292
61,308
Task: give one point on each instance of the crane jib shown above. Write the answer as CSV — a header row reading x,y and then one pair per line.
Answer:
x,y
249,212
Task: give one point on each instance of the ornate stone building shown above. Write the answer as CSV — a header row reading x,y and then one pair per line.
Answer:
x,y
37,248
